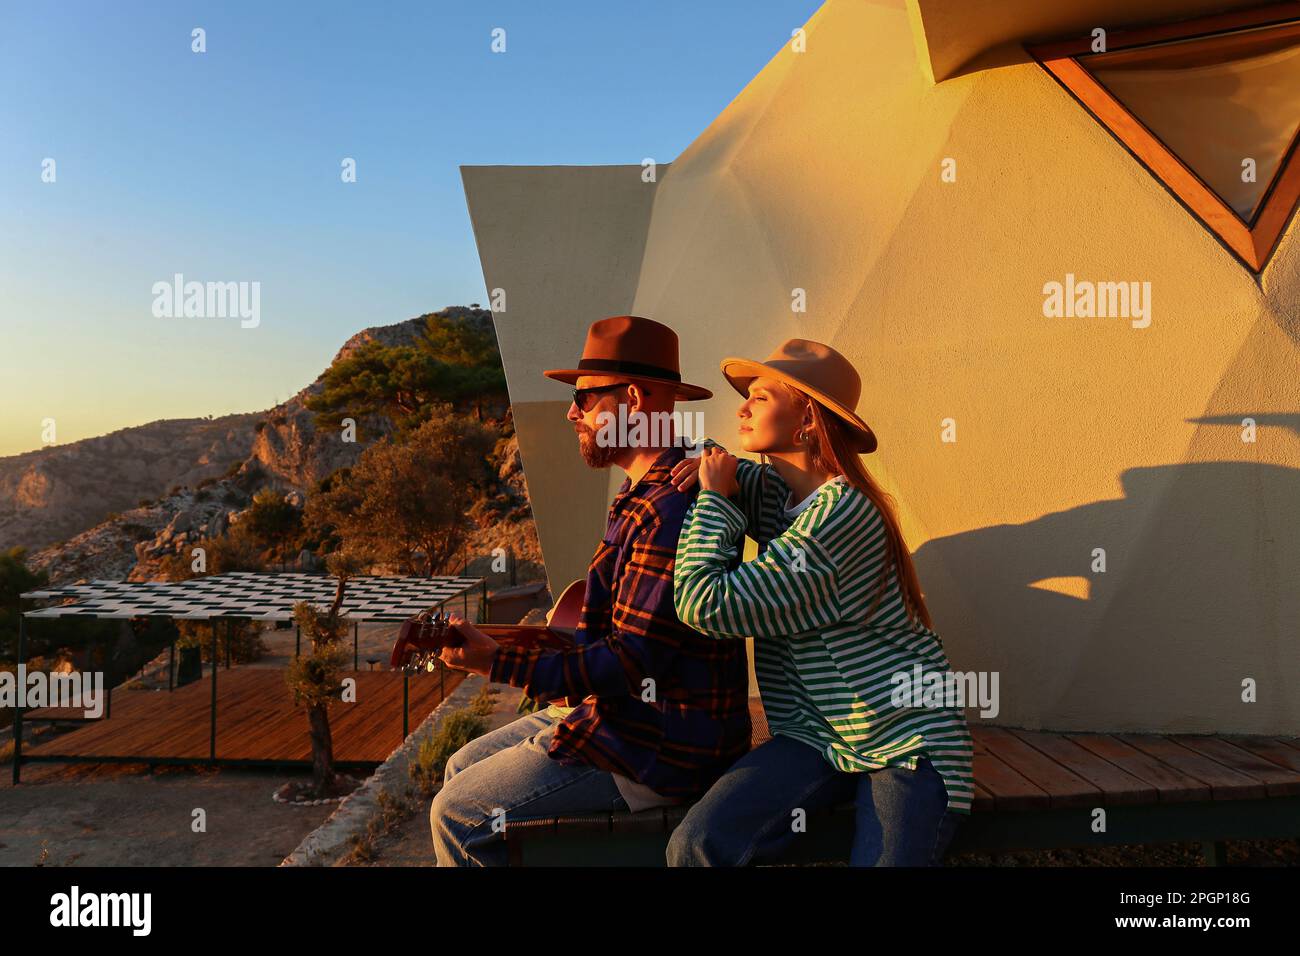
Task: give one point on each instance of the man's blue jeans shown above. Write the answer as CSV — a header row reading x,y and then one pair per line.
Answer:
x,y
507,773
749,814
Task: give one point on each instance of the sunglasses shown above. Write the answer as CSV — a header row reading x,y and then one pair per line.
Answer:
x,y
584,397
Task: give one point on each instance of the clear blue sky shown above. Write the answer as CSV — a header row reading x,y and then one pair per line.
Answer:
x,y
225,166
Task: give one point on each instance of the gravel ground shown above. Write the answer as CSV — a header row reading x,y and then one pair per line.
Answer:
x,y
124,815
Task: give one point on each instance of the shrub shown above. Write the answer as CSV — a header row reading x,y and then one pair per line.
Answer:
x,y
236,550
246,644
273,521
484,702
15,578
456,730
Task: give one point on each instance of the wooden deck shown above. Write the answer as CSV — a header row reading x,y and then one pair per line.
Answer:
x,y
1040,770
1032,770
256,720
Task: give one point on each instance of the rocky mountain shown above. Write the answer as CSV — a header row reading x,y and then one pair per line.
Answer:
x,y
51,493
197,474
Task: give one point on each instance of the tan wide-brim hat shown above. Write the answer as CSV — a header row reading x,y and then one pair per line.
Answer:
x,y
819,372
634,348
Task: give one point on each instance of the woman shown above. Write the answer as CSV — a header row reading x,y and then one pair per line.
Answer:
x,y
839,624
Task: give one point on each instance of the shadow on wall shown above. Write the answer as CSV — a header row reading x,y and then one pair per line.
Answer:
x,y
1200,592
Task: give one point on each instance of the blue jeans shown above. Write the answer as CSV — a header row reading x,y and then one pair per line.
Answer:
x,y
901,816
503,774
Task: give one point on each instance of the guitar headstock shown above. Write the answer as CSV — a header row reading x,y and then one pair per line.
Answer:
x,y
420,639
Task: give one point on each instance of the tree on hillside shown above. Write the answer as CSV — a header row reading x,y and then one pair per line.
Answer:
x,y
273,523
47,638
405,503
458,342
455,361
15,578
468,343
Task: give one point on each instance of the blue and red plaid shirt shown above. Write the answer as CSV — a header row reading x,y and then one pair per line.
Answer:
x,y
695,723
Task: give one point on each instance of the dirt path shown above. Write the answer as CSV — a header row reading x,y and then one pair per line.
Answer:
x,y
82,815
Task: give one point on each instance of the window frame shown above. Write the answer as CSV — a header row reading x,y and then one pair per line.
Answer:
x,y
1252,243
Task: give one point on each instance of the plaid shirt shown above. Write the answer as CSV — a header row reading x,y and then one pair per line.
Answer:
x,y
696,723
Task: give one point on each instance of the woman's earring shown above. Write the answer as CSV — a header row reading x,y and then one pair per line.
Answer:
x,y
802,436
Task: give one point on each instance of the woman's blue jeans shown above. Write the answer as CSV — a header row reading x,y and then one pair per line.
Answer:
x,y
749,815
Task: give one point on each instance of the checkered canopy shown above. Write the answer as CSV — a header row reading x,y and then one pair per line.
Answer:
x,y
256,595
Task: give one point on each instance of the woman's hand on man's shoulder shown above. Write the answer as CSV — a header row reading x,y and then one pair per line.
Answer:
x,y
717,471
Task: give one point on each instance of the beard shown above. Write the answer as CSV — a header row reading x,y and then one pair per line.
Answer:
x,y
594,454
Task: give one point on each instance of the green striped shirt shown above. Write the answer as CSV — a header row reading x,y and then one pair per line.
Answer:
x,y
826,673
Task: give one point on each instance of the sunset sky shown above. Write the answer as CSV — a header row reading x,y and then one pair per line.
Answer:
x,y
225,166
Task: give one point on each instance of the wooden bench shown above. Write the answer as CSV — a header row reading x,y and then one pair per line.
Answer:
x,y
1033,790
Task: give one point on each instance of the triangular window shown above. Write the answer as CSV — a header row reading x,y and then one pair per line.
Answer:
x,y
1211,107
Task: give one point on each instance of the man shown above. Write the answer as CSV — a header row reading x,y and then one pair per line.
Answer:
x,y
661,710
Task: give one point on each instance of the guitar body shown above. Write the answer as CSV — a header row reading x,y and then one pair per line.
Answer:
x,y
555,634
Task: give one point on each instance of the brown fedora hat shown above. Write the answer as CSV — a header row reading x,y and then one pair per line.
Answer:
x,y
635,348
818,371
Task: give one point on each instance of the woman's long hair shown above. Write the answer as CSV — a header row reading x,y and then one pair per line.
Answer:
x,y
836,455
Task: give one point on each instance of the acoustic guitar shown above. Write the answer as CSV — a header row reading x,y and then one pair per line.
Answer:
x,y
421,638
